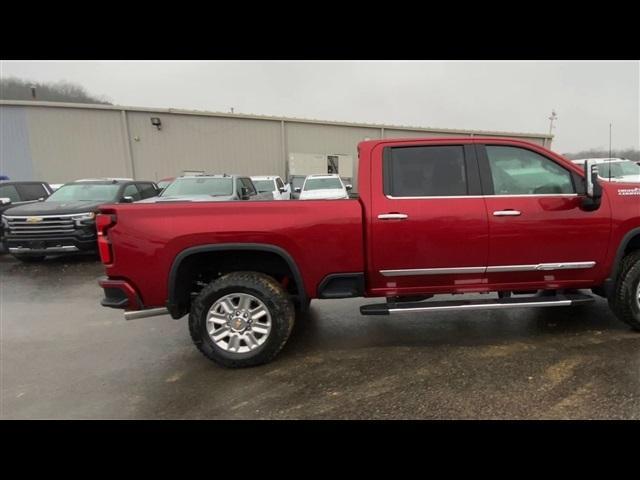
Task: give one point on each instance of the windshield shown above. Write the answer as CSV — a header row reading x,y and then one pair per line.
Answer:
x,y
264,185
322,184
85,192
164,183
199,186
618,169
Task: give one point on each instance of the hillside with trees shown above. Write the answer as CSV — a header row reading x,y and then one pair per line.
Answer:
x,y
63,91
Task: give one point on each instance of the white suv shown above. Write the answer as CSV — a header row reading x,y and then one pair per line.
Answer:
x,y
616,169
274,185
323,187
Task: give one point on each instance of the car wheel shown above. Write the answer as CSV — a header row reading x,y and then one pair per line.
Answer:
x,y
242,319
625,301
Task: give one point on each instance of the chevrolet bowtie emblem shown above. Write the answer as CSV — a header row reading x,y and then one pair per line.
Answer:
x,y
34,219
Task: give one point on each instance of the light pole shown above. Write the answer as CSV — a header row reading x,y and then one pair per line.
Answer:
x,y
552,118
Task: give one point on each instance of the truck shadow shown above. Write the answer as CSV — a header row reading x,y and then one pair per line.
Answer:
x,y
320,329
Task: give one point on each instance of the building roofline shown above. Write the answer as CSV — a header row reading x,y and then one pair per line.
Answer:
x,y
203,113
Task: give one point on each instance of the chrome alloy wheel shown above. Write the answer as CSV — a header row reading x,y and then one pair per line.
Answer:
x,y
238,323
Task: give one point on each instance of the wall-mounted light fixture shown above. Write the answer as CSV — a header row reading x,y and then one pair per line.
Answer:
x,y
155,121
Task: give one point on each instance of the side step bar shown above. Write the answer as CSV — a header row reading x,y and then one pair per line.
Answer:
x,y
566,300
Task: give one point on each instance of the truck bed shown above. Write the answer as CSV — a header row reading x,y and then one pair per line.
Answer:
x,y
322,236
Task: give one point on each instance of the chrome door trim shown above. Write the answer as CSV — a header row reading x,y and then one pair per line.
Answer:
x,y
546,195
432,271
490,269
541,267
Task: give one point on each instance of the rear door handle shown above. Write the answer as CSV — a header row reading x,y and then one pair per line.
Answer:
x,y
506,213
393,216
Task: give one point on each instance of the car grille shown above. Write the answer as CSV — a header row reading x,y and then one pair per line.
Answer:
x,y
40,225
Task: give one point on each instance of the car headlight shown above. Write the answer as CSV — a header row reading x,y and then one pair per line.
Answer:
x,y
84,218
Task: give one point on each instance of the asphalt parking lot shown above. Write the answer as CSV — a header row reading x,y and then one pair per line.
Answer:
x,y
65,357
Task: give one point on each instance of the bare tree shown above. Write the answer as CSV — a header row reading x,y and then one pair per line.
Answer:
x,y
63,91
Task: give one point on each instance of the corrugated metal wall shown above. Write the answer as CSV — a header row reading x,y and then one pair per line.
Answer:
x,y
213,144
69,143
60,143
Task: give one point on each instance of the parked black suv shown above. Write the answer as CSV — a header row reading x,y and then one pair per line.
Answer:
x,y
65,221
13,194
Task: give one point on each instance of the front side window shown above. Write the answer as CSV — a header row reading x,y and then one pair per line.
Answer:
x,y
425,171
131,191
279,183
10,192
200,186
85,192
147,190
248,184
322,184
32,191
517,171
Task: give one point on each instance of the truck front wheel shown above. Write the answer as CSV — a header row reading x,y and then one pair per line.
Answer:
x,y
241,319
625,301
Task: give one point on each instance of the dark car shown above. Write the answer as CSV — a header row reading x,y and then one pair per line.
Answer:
x,y
65,221
19,193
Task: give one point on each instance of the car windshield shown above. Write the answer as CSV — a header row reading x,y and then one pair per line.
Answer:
x,y
618,169
164,183
199,186
322,184
264,185
85,192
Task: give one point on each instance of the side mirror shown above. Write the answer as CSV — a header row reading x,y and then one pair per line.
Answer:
x,y
593,189
282,189
5,201
126,199
348,186
41,199
297,189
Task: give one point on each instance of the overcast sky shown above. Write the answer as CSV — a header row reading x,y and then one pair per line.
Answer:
x,y
509,96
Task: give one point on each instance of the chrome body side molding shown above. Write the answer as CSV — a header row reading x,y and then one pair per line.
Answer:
x,y
490,269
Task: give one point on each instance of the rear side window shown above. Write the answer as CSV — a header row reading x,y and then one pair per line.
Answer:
x,y
32,191
279,183
429,171
10,192
517,171
147,190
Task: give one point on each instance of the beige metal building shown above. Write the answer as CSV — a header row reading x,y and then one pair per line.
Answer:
x,y
60,142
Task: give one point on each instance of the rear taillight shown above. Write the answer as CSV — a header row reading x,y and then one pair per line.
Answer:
x,y
103,223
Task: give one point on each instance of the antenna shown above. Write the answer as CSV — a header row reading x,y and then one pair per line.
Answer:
x,y
609,152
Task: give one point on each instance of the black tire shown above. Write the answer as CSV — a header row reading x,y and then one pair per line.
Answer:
x,y
261,286
30,258
624,302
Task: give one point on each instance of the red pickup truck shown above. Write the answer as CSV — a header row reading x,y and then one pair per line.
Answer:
x,y
433,216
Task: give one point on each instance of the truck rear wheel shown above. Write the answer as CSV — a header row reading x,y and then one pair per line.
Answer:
x,y
625,301
241,319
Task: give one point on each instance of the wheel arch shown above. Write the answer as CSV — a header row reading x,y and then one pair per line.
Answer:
x,y
177,304
630,242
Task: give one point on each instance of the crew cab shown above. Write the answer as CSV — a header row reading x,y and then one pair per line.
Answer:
x,y
65,221
433,216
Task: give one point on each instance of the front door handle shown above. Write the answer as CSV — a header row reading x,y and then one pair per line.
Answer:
x,y
393,216
506,213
